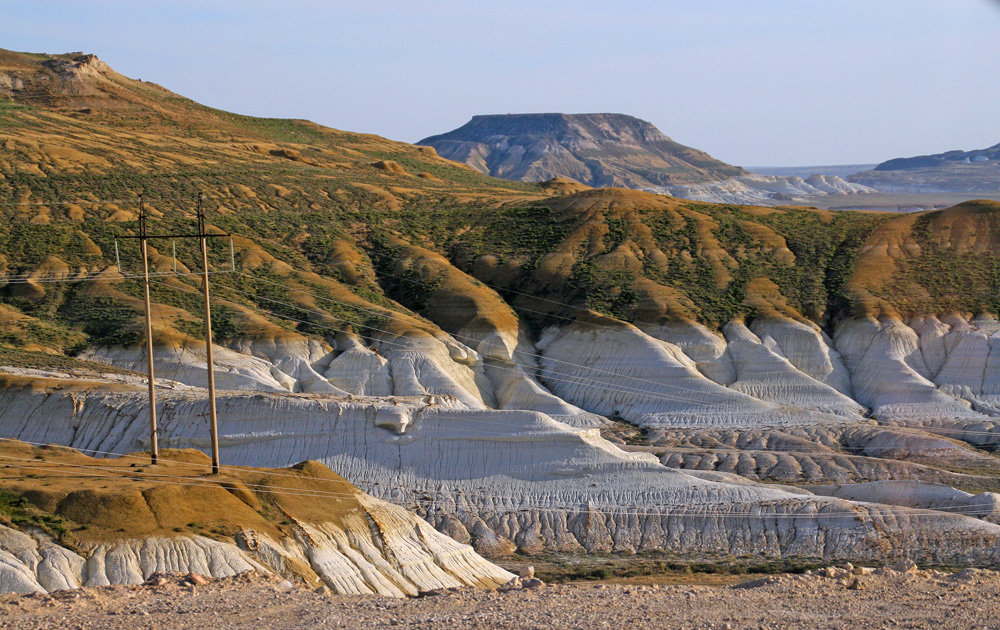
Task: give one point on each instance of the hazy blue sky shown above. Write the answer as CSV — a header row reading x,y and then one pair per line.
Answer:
x,y
754,82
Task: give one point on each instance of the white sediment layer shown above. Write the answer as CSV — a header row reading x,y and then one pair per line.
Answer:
x,y
622,371
768,189
774,371
382,550
933,369
479,442
501,480
917,494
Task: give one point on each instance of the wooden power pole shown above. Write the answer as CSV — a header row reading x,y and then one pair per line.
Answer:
x,y
154,448
202,235
213,418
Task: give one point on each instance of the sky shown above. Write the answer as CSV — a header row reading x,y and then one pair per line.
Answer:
x,y
753,82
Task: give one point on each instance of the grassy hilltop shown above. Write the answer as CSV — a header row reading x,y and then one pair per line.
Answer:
x,y
342,230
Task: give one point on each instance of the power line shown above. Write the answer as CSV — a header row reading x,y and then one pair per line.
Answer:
x,y
573,379
107,275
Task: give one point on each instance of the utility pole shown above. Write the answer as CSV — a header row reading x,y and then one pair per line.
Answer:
x,y
213,419
154,449
202,235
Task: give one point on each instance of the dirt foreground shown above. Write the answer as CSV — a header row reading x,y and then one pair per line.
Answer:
x,y
829,598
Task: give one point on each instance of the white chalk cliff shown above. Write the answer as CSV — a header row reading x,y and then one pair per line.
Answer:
x,y
517,479
767,189
381,550
498,448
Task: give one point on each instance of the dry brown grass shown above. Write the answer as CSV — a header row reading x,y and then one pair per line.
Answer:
x,y
124,497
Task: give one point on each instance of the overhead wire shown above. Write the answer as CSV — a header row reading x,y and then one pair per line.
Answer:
x,y
102,275
576,379
389,312
551,375
87,202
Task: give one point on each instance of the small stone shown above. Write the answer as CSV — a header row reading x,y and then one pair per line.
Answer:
x,y
195,579
533,583
284,585
849,567
855,585
527,572
905,566
513,584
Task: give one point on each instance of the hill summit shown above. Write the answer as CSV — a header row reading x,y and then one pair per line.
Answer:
x,y
599,150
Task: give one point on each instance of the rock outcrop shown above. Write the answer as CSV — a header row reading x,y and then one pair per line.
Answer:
x,y
502,480
330,534
769,189
458,345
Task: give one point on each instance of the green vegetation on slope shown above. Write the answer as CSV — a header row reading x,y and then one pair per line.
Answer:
x,y
320,218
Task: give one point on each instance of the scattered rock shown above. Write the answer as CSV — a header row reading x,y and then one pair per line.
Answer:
x,y
905,566
195,579
512,585
527,572
533,583
157,580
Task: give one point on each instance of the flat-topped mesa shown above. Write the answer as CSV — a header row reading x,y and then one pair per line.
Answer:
x,y
606,150
594,149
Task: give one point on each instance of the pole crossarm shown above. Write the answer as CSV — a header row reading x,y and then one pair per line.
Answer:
x,y
149,236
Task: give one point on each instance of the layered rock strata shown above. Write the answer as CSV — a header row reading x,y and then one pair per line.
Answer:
x,y
502,480
357,545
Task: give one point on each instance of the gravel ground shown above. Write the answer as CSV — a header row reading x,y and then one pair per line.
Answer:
x,y
883,599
